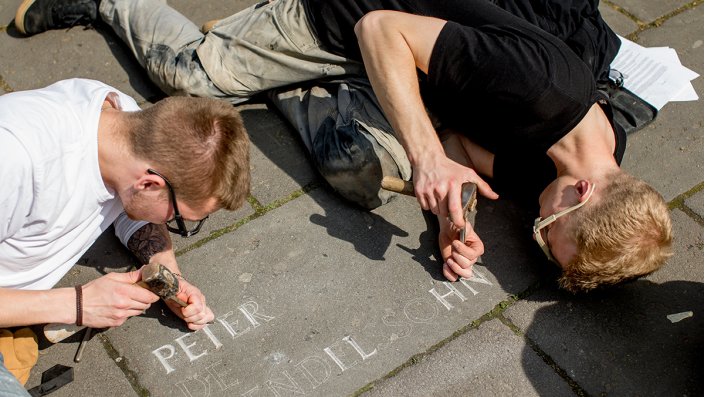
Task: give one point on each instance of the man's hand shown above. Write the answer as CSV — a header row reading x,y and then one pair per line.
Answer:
x,y
152,244
196,314
458,257
438,184
110,300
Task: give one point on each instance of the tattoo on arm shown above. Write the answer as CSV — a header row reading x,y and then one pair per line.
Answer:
x,y
150,239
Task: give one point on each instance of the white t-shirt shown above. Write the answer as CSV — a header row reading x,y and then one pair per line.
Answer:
x,y
53,202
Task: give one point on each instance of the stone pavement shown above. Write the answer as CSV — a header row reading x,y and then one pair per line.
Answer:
x,y
315,297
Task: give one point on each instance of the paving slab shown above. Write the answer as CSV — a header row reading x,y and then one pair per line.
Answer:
x,y
310,304
215,224
278,159
668,153
648,11
695,203
43,59
95,375
687,261
7,13
620,23
684,32
488,361
620,341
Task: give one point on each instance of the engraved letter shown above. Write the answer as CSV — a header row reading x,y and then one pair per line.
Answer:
x,y
230,327
212,337
250,392
186,348
162,359
453,291
464,282
205,387
406,328
292,386
252,314
478,277
337,360
311,365
358,349
219,376
414,311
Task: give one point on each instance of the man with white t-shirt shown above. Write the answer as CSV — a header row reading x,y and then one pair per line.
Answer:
x,y
79,156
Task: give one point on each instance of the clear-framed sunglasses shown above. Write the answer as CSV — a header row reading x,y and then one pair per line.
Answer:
x,y
542,223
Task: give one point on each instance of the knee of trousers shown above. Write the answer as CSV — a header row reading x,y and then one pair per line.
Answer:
x,y
177,72
353,163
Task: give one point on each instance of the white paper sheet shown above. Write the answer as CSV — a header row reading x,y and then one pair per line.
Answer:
x,y
654,74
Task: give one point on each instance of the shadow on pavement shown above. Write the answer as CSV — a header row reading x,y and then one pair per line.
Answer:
x,y
619,341
122,54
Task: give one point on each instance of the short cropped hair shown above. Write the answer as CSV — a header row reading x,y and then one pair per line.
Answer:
x,y
199,144
624,235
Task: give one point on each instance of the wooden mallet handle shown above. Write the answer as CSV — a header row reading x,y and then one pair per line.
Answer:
x,y
398,185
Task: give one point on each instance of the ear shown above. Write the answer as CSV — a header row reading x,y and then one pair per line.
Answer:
x,y
149,182
583,187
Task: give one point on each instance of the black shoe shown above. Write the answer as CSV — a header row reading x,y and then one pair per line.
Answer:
x,y
36,16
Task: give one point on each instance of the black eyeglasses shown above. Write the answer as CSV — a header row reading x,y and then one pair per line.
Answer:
x,y
181,229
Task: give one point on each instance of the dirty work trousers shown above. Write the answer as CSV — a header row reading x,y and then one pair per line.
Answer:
x,y
9,385
269,47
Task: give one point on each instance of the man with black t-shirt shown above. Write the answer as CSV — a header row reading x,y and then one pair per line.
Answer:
x,y
511,83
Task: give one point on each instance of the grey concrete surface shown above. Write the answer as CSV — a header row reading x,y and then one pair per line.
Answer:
x,y
620,23
647,12
306,300
695,203
62,54
668,153
620,342
316,297
278,159
216,223
487,361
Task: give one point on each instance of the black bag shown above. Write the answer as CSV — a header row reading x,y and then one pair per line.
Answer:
x,y
630,111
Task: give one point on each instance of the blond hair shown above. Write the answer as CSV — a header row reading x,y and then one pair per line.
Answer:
x,y
624,235
199,144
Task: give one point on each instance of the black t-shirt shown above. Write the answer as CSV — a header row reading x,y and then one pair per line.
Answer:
x,y
578,23
334,21
519,90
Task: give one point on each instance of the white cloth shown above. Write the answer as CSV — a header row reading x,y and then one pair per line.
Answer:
x,y
53,202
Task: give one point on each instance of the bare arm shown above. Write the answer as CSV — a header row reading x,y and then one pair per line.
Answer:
x,y
20,307
463,151
393,45
107,302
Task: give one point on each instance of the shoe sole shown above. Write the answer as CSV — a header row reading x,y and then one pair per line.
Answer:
x,y
19,16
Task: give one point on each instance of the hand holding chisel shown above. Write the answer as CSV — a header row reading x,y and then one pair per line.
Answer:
x,y
468,197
